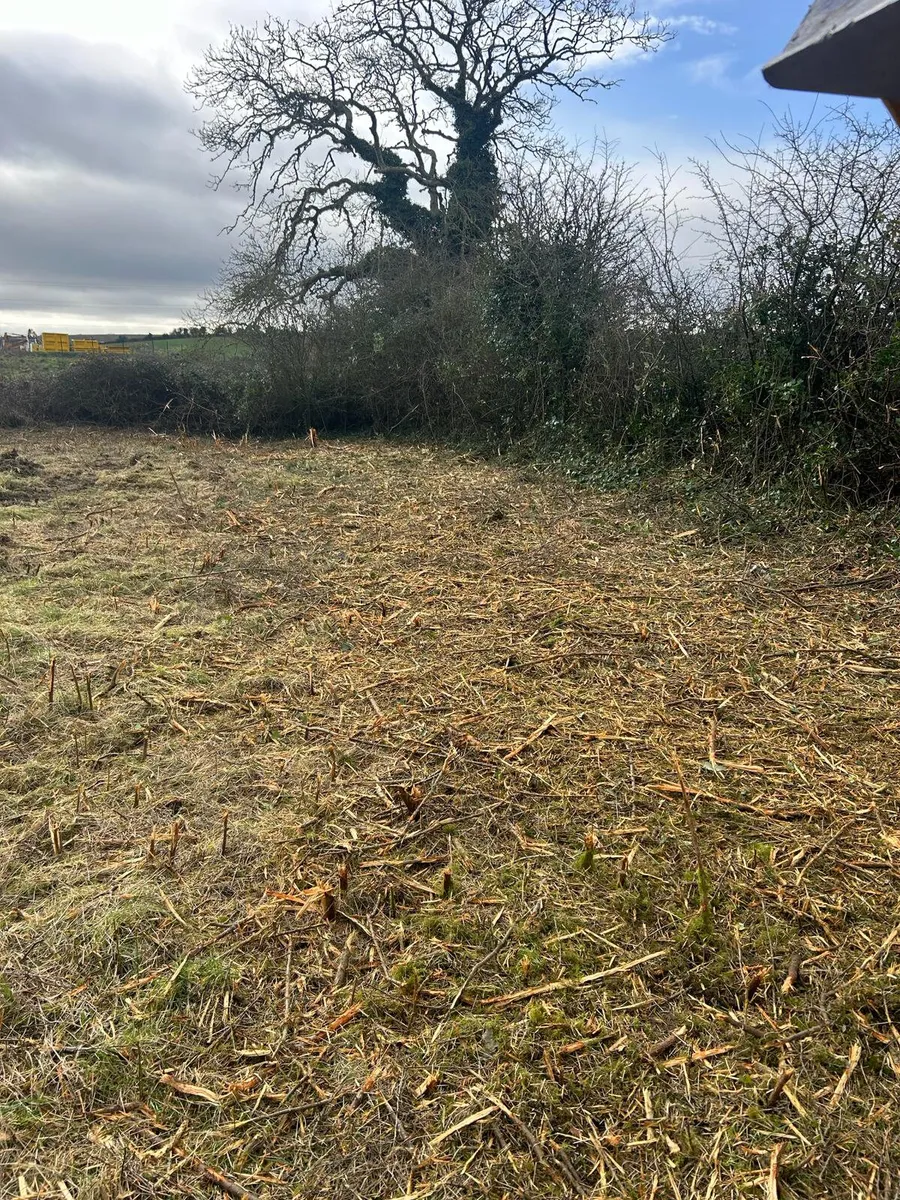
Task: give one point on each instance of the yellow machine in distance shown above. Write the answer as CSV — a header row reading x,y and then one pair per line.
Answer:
x,y
61,343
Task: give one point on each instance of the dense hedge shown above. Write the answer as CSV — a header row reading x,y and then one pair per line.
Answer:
x,y
161,394
763,341
586,324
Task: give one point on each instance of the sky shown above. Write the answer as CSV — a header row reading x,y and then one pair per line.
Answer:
x,y
108,222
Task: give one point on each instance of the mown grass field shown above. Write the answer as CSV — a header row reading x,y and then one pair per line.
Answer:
x,y
14,367
379,822
208,347
17,366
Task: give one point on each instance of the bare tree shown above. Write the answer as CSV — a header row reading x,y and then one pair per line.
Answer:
x,y
381,123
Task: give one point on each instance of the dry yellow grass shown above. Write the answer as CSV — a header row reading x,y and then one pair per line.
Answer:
x,y
561,847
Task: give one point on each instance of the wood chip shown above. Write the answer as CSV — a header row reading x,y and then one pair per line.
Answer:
x,y
192,1090
539,732
852,1064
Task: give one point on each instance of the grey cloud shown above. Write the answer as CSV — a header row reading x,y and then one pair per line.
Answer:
x,y
68,114
104,196
77,229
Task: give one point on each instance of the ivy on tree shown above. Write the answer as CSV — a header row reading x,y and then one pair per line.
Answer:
x,y
381,124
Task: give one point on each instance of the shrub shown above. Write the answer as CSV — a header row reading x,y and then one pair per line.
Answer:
x,y
584,324
125,391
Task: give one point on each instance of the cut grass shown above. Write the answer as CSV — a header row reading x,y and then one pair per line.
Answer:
x,y
349,856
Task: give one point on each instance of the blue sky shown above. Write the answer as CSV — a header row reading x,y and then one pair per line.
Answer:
x,y
106,217
704,83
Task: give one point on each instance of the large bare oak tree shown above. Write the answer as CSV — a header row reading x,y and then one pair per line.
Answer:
x,y
382,122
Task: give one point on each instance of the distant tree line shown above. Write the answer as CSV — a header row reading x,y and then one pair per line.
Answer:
x,y
222,329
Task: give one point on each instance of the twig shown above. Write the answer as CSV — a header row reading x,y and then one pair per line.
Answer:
x,y
531,739
780,1084
852,1064
340,974
702,879
793,974
293,1111
661,1048
481,963
538,1150
229,1186
287,980
184,502
567,984
345,916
